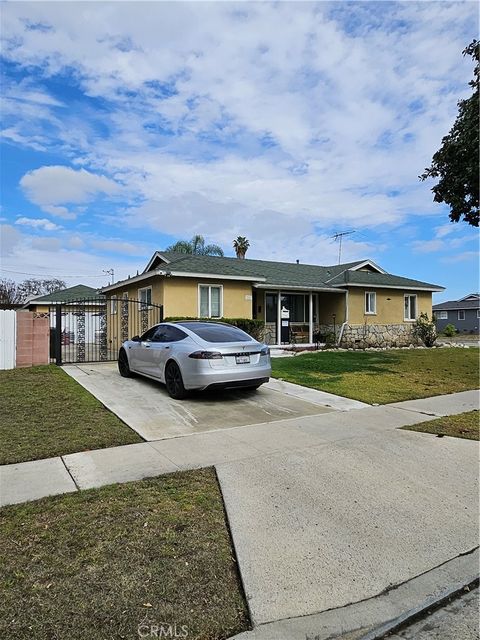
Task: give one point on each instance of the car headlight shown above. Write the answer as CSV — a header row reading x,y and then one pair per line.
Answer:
x,y
265,351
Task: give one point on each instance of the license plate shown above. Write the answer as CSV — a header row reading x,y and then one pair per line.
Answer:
x,y
242,359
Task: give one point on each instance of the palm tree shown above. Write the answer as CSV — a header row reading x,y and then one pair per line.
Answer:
x,y
196,246
241,245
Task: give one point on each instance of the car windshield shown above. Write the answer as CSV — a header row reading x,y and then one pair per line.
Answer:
x,y
212,332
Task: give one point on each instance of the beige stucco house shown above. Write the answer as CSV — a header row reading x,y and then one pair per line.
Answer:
x,y
359,302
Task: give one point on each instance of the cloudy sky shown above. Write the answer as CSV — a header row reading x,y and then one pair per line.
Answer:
x,y
129,125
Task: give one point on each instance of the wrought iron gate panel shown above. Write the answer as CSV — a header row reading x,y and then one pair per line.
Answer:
x,y
93,329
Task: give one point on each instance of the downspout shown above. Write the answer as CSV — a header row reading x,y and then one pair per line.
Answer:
x,y
344,324
340,335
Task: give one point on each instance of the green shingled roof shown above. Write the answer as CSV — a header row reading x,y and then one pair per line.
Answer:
x,y
373,278
285,273
78,292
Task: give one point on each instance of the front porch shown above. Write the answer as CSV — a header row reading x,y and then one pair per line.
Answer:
x,y
300,317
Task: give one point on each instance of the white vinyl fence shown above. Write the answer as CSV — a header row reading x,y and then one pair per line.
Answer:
x,y
8,332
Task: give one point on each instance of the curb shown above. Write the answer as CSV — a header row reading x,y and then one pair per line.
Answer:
x,y
422,610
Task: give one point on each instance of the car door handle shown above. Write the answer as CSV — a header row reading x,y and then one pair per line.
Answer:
x,y
147,346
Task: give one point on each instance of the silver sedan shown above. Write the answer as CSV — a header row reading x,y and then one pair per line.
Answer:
x,y
196,355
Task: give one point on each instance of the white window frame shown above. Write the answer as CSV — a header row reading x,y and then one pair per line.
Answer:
x,y
371,312
478,313
410,295
145,305
461,311
441,315
113,305
209,287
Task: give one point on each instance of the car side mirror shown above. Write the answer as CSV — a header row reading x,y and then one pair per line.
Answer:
x,y
136,339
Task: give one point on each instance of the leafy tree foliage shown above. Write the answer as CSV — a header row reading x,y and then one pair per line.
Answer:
x,y
241,245
196,246
456,163
16,293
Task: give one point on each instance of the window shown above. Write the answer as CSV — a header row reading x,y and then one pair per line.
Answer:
x,y
461,314
145,297
166,333
441,315
216,332
149,335
370,302
410,307
113,305
478,313
210,301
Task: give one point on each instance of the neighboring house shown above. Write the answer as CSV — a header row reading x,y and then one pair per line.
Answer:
x,y
464,314
358,301
78,302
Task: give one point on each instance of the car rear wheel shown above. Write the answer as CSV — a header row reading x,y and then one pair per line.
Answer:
x,y
123,366
174,381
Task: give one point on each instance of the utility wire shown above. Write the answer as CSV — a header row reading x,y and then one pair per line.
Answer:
x,y
56,275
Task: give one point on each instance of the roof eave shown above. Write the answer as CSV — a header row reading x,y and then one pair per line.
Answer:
x,y
434,288
295,287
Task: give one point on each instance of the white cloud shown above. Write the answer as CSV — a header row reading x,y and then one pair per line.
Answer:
x,y
38,223
119,246
285,124
428,246
51,186
9,240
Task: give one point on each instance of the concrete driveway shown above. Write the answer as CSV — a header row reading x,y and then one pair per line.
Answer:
x,y
338,523
148,409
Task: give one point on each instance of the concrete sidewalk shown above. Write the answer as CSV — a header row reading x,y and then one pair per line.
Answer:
x,y
33,480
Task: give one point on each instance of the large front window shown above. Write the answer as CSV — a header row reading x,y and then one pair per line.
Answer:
x,y
210,301
410,307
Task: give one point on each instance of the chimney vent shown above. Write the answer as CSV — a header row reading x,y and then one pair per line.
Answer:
x,y
298,261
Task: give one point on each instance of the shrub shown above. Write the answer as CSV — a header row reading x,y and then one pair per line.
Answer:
x,y
450,330
254,328
425,330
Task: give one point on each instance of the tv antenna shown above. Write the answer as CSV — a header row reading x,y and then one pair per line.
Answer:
x,y
109,272
339,237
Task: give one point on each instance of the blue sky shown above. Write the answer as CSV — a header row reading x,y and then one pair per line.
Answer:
x,y
129,125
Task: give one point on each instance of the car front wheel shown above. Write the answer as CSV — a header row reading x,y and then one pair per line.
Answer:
x,y
174,381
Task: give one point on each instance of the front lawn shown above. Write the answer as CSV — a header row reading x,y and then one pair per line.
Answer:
x,y
120,561
45,413
383,376
463,425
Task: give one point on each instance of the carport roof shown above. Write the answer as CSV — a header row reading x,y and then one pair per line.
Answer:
x,y
78,292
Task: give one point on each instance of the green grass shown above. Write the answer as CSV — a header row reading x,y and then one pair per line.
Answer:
x,y
99,563
383,376
46,413
463,425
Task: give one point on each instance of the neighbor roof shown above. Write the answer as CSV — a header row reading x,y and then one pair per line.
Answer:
x,y
266,273
463,303
78,292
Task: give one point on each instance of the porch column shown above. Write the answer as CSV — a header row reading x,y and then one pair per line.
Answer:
x,y
279,318
310,316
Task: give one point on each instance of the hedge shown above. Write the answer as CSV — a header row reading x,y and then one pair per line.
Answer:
x,y
253,327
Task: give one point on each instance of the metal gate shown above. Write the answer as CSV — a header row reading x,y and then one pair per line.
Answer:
x,y
93,329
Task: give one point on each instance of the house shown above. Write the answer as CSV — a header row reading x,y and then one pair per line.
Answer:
x,y
464,314
359,301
